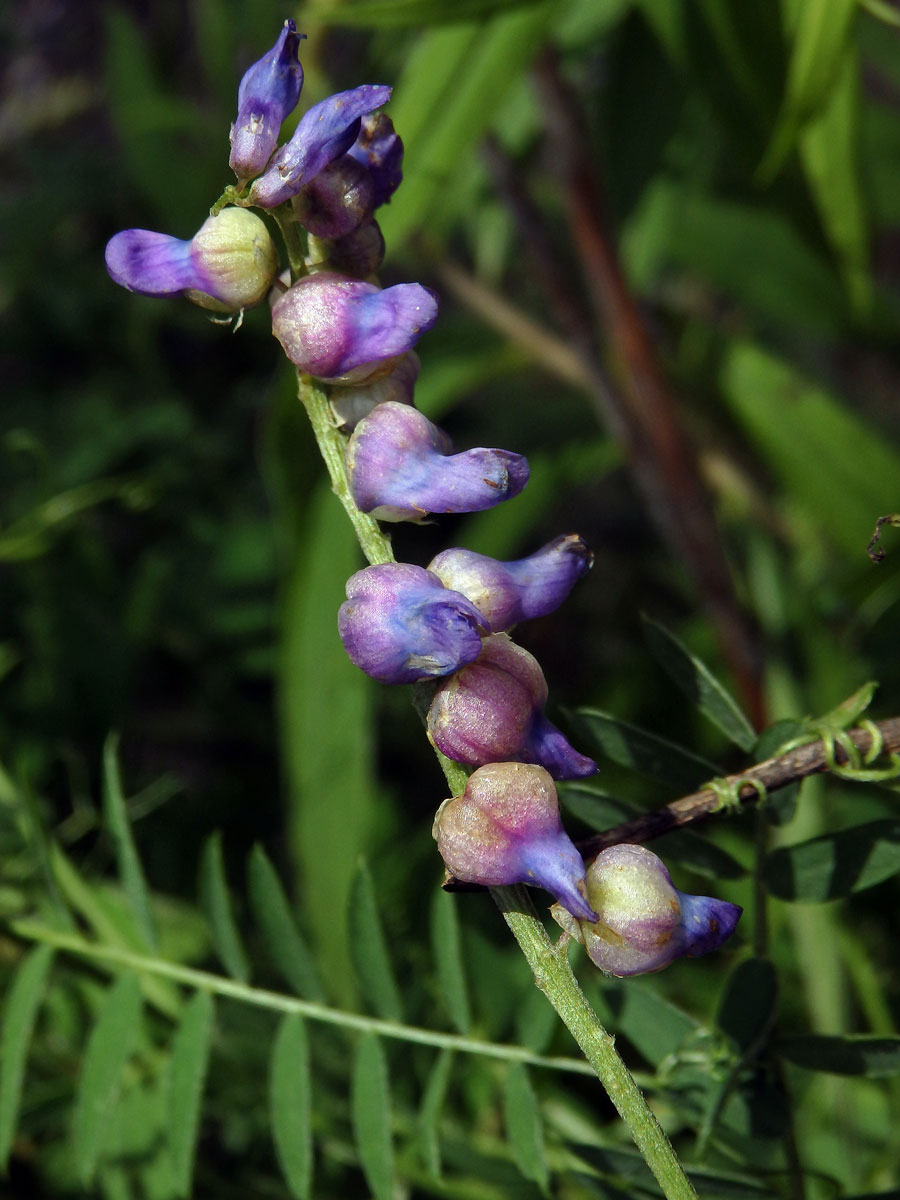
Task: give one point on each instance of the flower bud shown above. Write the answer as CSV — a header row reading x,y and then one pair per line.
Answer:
x,y
337,201
400,624
227,265
505,828
330,325
380,150
644,921
493,710
359,253
352,402
399,469
268,92
509,592
323,133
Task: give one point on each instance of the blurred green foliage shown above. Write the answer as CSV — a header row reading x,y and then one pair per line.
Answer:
x,y
171,563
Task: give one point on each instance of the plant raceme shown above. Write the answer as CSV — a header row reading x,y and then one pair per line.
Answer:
x,y
447,623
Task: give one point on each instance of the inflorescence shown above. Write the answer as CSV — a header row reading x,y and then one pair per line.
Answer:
x,y
448,622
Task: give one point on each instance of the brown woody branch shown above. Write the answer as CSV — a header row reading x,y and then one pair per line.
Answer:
x,y
774,773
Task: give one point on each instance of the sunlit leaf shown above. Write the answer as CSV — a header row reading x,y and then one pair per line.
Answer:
x,y
835,864
216,901
21,1006
290,1105
369,948
371,1108
190,1058
108,1048
288,950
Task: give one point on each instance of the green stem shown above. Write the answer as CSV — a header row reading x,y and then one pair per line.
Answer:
x,y
550,965
231,989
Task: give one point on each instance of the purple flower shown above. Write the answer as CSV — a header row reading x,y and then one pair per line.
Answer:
x,y
493,711
337,201
330,325
227,265
359,253
324,133
268,92
509,592
644,921
400,469
505,828
400,624
380,150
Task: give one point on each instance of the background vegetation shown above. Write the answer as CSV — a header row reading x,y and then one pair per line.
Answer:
x,y
665,233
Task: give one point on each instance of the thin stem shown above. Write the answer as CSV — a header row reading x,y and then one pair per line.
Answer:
x,y
332,444
262,998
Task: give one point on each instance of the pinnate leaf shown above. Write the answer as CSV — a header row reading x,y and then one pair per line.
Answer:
x,y
288,950
523,1126
835,864
445,942
216,901
369,949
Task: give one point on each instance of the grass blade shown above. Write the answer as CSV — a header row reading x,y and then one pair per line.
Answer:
x,y
371,1107
290,1105
369,948
109,1045
22,1002
216,901
190,1059
116,817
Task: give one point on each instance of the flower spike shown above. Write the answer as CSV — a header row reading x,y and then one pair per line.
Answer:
x,y
505,828
324,133
493,710
400,624
644,921
268,92
509,592
227,265
400,469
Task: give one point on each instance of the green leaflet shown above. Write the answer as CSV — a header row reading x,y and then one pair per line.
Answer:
x,y
645,752
216,902
371,1109
860,1054
21,1008
369,949
820,37
448,961
835,864
523,1126
108,1049
283,939
699,684
187,1076
430,1111
290,1105
130,871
